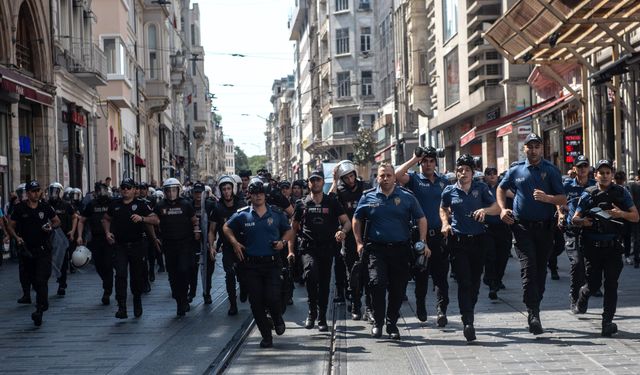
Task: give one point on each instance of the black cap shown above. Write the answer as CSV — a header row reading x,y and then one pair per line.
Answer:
x,y
532,137
300,183
127,182
580,160
244,173
490,170
316,173
32,185
198,187
143,185
466,159
285,184
604,163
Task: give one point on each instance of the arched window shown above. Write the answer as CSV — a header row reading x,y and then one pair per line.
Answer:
x,y
152,44
24,40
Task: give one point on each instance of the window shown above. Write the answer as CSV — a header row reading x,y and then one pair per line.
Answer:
x,y
195,111
152,43
354,124
423,73
342,41
450,18
366,84
342,5
110,54
365,5
344,84
452,78
338,124
194,67
365,39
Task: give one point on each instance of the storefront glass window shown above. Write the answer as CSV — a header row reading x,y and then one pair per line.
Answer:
x,y
452,78
27,164
450,18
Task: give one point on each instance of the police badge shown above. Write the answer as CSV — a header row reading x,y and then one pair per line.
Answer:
x,y
475,193
543,175
41,215
397,201
134,207
270,221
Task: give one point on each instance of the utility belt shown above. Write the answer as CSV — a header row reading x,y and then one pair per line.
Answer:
x,y
33,251
309,246
262,259
434,232
601,244
389,245
130,245
458,238
536,224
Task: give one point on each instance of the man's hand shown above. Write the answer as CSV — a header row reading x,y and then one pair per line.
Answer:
x,y
506,216
158,245
586,222
540,196
19,240
238,248
111,239
427,251
196,235
290,258
212,253
340,236
80,241
616,212
446,230
360,248
479,215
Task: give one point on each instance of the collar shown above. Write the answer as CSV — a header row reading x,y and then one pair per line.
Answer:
x,y
436,177
539,165
394,192
254,213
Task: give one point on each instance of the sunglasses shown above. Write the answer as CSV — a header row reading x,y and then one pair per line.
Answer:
x,y
126,187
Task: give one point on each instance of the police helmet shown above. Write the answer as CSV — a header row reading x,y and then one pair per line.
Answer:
x,y
55,191
466,159
257,186
151,190
66,194
158,195
21,192
426,152
345,167
76,195
171,188
100,189
228,180
81,256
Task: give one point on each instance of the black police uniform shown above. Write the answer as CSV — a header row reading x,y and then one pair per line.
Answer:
x,y
65,212
219,215
152,253
319,224
102,252
499,241
35,255
177,231
130,249
602,250
349,199
196,247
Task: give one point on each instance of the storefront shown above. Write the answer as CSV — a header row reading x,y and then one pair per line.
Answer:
x,y
75,145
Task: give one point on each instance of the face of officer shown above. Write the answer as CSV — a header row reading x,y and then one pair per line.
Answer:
x,y
581,171
604,176
349,180
171,193
491,178
128,192
428,166
257,199
227,192
296,191
286,191
143,192
386,178
34,195
315,185
533,150
245,182
464,173
197,196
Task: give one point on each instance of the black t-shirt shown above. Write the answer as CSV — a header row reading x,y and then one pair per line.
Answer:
x,y
175,219
349,198
221,213
319,223
278,200
29,222
94,212
65,212
122,227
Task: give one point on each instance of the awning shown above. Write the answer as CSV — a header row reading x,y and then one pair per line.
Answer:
x,y
545,85
14,82
140,162
618,67
555,31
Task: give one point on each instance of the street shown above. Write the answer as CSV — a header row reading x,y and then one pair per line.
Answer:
x,y
80,336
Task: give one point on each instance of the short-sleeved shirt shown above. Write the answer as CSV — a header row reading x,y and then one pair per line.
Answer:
x,y
122,227
349,198
585,203
389,217
319,222
94,212
29,222
462,206
428,193
493,219
258,233
278,200
221,213
175,219
573,190
523,179
65,212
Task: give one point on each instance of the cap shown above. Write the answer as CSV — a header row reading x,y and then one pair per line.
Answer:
x,y
490,170
128,182
580,160
32,185
285,184
604,163
316,174
244,173
198,187
532,137
143,185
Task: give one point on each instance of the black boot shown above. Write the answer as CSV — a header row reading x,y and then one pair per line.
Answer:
x,y
421,310
441,319
122,310
137,306
25,299
207,299
311,319
322,323
608,328
37,317
105,297
469,332
233,308
339,297
356,313
535,326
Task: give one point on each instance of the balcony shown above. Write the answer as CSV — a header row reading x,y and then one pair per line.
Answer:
x,y
486,96
178,70
475,5
158,96
88,63
482,62
477,20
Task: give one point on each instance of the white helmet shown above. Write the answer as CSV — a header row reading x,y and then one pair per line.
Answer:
x,y
171,188
158,194
76,195
345,167
151,191
208,191
228,180
238,181
81,256
55,191
21,192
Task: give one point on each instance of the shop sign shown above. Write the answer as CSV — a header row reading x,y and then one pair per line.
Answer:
x,y
493,114
74,117
572,147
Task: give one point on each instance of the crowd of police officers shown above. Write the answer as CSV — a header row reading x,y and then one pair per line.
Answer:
x,y
411,226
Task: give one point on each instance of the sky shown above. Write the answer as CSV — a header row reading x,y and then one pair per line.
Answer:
x,y
258,30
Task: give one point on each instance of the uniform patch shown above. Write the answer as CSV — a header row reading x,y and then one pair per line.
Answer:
x,y
134,207
41,215
270,221
475,193
543,175
397,201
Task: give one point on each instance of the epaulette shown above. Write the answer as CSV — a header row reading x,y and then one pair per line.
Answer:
x,y
276,209
369,190
591,189
245,208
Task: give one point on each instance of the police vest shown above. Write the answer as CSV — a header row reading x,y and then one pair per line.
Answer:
x,y
605,200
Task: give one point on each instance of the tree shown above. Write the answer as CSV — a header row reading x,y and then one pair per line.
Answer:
x,y
241,160
363,148
256,162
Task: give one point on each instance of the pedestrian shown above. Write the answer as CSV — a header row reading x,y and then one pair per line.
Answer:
x,y
388,209
428,187
31,224
125,227
323,222
463,210
102,252
258,233
179,226
601,236
538,190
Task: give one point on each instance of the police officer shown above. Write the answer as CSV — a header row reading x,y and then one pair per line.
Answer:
x,y
179,226
574,188
25,283
257,233
30,225
68,223
389,209
297,190
197,190
498,241
323,222
143,193
125,227
538,190
101,251
462,212
228,204
427,187
602,247
349,188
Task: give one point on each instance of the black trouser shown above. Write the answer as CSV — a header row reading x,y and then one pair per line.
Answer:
x,y
131,257
23,275
264,285
467,255
635,235
317,276
576,263
103,255
626,237
558,248
193,279
534,243
64,268
340,270
350,259
389,270
179,266
231,268
37,270
438,269
497,251
152,254
601,261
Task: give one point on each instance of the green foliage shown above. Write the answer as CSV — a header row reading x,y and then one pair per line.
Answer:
x,y
256,162
364,147
241,160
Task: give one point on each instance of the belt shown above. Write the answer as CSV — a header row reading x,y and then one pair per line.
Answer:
x,y
541,224
261,259
465,237
390,244
602,243
129,244
434,232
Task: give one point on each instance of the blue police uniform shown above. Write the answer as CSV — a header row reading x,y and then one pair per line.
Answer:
x,y
498,248
466,243
533,228
257,232
388,248
428,193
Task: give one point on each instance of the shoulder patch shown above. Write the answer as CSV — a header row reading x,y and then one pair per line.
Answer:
x,y
405,190
245,208
369,190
